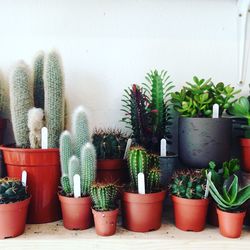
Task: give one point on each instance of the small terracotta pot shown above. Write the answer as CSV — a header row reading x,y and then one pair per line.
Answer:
x,y
76,212
13,218
105,222
112,171
212,217
245,154
142,212
43,170
230,224
190,214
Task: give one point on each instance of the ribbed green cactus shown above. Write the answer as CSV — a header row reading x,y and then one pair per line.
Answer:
x,y
153,180
74,168
104,196
54,98
38,66
66,185
88,167
80,130
66,151
138,163
21,100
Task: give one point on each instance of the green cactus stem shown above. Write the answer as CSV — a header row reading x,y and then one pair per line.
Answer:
x,y
74,168
153,180
66,185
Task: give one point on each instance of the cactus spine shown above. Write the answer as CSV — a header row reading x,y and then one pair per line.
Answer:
x,y
21,100
38,66
54,98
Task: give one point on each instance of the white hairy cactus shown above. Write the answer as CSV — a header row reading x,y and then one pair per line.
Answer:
x,y
35,124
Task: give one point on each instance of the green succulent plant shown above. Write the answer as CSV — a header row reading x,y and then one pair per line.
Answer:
x,y
228,196
109,143
197,99
104,196
241,109
189,184
148,112
12,190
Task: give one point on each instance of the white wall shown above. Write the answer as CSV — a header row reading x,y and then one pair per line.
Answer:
x,y
107,45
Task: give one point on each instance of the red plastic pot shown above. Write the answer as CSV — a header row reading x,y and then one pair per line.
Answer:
x,y
13,218
230,224
112,171
43,169
76,212
105,222
245,154
2,128
190,214
212,217
142,212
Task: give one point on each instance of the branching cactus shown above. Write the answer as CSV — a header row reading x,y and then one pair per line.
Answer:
x,y
54,98
153,180
104,196
21,100
74,168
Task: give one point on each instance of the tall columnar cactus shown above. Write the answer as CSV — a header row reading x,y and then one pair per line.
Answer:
x,y
88,167
54,98
104,196
38,66
21,100
153,180
74,168
80,130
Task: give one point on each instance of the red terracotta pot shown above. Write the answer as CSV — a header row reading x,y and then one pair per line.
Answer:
x,y
113,170
76,212
245,153
13,218
142,212
2,128
230,224
190,214
105,222
43,169
212,217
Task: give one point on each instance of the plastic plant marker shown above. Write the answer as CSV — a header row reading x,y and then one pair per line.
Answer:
x,y
77,186
215,111
141,183
207,185
44,138
24,178
127,148
163,147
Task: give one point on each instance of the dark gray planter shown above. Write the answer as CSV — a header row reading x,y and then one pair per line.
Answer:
x,y
167,166
202,140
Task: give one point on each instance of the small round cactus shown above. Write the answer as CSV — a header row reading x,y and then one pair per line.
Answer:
x,y
153,180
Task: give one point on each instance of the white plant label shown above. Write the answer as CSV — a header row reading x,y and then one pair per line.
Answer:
x,y
215,111
129,142
141,183
44,142
77,186
24,178
163,147
207,186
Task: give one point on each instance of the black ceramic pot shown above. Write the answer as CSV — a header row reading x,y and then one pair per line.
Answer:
x,y
202,140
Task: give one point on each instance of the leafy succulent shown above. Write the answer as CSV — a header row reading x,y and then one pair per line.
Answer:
x,y
241,109
147,110
197,99
189,184
229,197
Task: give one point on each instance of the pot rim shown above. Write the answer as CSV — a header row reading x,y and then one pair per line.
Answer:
x,y
105,212
28,150
207,118
11,206
244,142
230,212
74,201
191,202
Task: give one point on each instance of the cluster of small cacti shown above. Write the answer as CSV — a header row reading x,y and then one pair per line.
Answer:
x,y
45,91
190,184
104,196
77,155
12,190
139,161
109,143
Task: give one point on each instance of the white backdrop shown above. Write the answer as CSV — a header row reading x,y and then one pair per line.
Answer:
x,y
106,45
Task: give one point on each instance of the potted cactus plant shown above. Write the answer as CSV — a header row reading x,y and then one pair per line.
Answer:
x,y
230,205
35,104
78,157
188,196
142,212
200,137
110,145
14,203
105,208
